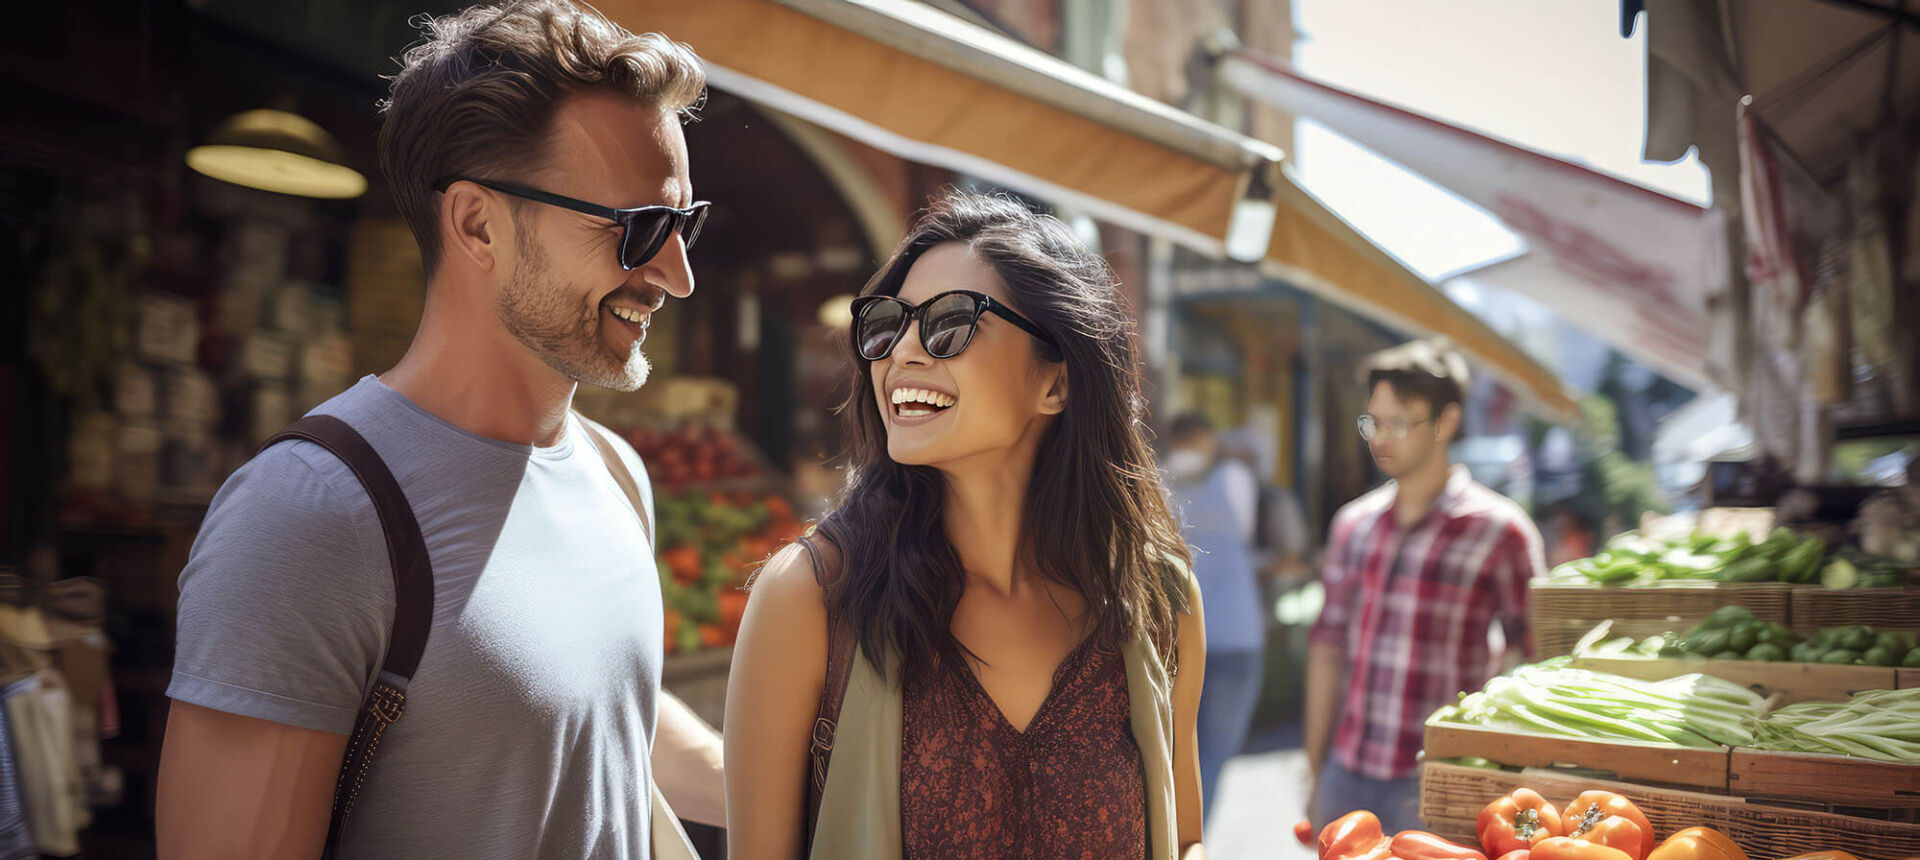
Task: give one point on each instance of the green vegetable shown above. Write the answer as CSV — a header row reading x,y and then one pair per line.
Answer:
x,y
1744,636
1912,660
1553,698
1620,570
1749,570
1767,652
1802,564
1778,635
1728,654
1858,638
1885,578
1707,642
1686,564
1881,724
1878,656
1782,540
1840,573
1804,652
1728,616
1898,643
1840,656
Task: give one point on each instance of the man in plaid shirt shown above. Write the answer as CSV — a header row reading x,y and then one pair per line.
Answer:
x,y
1416,573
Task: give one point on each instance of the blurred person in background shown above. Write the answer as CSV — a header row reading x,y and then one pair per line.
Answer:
x,y
1416,574
1218,494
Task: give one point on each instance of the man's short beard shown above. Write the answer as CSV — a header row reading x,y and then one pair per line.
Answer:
x,y
561,326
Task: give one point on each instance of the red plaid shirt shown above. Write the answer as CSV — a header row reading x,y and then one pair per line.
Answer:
x,y
1413,610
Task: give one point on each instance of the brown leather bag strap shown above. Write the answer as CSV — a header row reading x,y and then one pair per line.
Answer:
x,y
412,604
840,646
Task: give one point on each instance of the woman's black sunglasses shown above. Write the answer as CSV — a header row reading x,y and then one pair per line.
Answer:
x,y
647,228
947,323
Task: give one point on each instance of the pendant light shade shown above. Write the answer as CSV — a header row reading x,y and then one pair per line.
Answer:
x,y
279,151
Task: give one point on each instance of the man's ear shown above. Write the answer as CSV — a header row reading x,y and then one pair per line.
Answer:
x,y
1447,423
470,224
1055,401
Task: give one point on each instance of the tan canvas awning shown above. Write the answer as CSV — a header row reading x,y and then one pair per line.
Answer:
x,y
928,87
1314,249
923,85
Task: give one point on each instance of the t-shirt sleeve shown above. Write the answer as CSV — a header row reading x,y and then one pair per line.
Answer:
x,y
287,597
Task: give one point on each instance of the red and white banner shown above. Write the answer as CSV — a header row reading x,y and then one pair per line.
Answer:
x,y
1627,263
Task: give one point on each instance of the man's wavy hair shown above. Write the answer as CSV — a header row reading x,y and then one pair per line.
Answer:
x,y
475,97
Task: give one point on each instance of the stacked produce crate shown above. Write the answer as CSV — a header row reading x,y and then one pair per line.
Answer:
x,y
1755,681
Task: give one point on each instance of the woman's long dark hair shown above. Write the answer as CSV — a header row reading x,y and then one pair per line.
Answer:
x,y
1096,516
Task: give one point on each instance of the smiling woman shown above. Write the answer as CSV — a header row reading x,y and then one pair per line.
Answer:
x,y
997,592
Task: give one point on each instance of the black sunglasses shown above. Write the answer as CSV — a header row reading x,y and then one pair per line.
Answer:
x,y
947,323
647,228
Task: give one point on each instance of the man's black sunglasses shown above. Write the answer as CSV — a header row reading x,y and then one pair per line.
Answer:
x,y
947,323
646,229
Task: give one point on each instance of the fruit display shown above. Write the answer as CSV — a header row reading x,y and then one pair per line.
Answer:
x,y
1734,633
708,544
694,453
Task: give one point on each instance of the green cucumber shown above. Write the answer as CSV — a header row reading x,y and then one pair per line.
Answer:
x,y
1728,616
1840,656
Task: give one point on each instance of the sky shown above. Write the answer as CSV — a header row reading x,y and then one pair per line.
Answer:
x,y
1550,75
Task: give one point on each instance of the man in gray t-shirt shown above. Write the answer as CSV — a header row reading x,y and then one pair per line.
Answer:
x,y
534,725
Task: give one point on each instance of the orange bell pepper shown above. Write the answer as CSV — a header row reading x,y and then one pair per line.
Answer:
x,y
1354,836
1518,821
1698,843
1569,848
1825,855
1520,854
1605,818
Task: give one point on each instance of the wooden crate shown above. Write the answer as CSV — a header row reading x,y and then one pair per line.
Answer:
x,y
1906,679
1825,780
1704,769
1561,614
1451,797
1885,608
1791,682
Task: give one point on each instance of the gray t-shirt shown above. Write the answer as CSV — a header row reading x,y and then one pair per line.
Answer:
x,y
530,721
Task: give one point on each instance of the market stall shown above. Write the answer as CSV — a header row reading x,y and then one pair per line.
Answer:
x,y
1757,681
